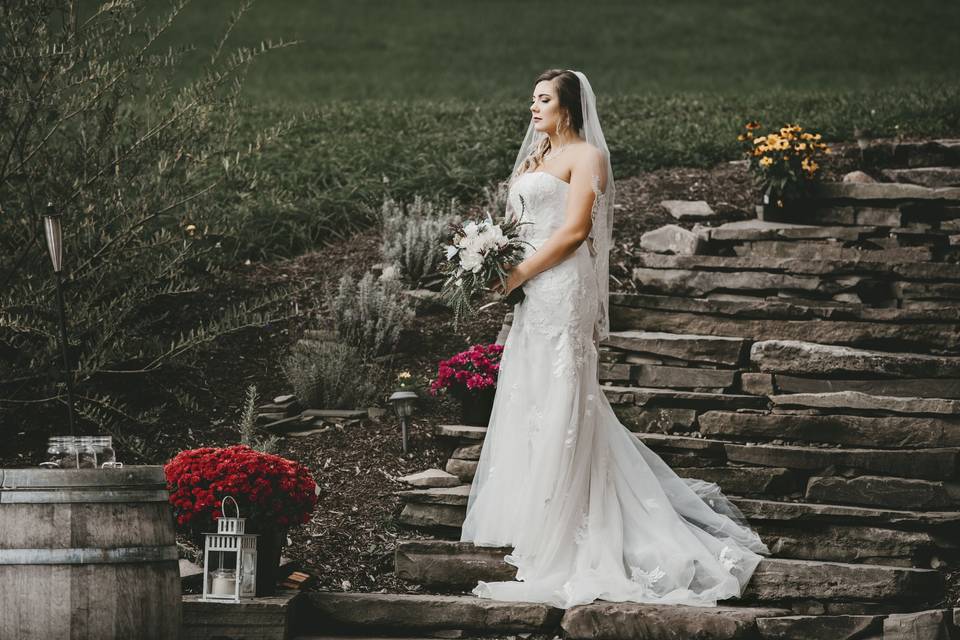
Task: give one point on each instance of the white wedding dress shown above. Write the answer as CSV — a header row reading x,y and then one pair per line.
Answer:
x,y
589,510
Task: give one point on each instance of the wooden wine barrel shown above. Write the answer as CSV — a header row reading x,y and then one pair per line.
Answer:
x,y
87,553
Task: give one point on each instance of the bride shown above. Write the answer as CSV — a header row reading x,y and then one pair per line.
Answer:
x,y
589,510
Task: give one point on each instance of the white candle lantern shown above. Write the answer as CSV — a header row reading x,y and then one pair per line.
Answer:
x,y
229,559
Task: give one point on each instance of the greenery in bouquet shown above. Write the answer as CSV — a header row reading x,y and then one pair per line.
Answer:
x,y
477,255
269,490
469,371
785,162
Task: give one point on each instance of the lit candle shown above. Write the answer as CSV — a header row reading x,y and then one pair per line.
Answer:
x,y
224,583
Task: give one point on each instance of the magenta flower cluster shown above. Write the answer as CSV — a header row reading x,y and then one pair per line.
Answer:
x,y
468,371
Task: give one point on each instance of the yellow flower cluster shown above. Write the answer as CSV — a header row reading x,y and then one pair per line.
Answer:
x,y
790,142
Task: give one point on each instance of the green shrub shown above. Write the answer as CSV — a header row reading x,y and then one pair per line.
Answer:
x,y
371,313
328,375
413,237
152,182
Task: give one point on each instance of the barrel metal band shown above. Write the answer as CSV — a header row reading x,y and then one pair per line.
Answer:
x,y
67,496
119,555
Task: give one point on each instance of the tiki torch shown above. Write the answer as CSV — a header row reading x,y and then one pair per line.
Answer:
x,y
51,226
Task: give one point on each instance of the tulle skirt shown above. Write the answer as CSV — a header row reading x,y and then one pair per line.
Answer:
x,y
590,511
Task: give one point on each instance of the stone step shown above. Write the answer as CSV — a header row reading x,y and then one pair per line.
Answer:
x,y
905,337
431,478
459,565
780,309
768,319
827,250
884,192
852,430
403,614
670,377
791,530
884,491
859,401
690,267
632,621
931,177
653,397
715,350
908,388
800,357
906,153
760,510
753,230
931,463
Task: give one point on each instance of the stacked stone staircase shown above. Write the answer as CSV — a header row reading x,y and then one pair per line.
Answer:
x,y
811,368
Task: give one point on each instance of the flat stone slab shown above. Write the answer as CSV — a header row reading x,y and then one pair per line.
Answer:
x,y
782,309
688,209
865,263
443,564
269,618
883,191
930,464
722,350
827,627
842,332
867,401
693,282
416,514
672,238
849,543
448,495
801,357
934,624
430,478
412,612
908,387
747,481
448,508
656,419
931,177
650,396
772,510
887,492
744,230
461,431
629,621
839,428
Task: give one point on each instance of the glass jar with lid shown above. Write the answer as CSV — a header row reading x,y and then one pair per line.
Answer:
x,y
103,448
61,452
86,454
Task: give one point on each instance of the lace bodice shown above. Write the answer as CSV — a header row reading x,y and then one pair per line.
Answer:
x,y
543,204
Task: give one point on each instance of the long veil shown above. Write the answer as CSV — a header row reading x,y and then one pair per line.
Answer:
x,y
601,234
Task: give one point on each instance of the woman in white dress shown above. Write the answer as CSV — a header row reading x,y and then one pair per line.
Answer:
x,y
590,511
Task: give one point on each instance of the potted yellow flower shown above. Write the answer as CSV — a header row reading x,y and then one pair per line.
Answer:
x,y
784,164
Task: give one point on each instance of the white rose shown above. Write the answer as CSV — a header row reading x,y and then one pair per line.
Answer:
x,y
471,261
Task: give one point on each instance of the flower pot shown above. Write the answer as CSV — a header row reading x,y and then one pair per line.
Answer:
x,y
475,407
791,211
269,546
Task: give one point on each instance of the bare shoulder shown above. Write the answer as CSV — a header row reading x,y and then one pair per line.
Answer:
x,y
586,152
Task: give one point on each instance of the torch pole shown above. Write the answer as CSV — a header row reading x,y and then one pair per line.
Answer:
x,y
67,373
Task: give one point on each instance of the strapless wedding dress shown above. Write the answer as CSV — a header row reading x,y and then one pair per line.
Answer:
x,y
590,511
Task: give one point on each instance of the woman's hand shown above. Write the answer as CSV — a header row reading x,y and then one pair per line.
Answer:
x,y
514,279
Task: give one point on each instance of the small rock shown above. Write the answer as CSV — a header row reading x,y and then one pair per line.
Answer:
x,y
858,176
688,209
671,238
284,399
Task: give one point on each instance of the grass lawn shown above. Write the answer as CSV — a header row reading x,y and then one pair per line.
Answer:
x,y
494,48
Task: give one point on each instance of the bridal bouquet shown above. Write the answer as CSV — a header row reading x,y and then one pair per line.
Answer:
x,y
477,253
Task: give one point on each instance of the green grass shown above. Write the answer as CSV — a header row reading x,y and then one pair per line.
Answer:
x,y
430,97
493,49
